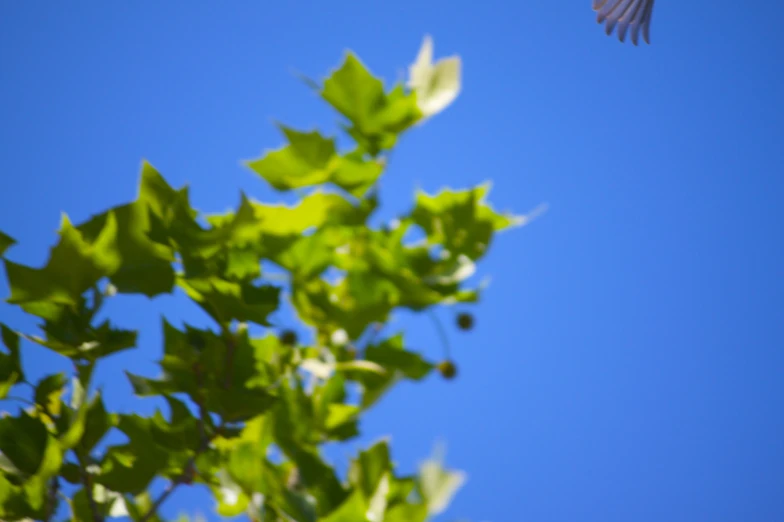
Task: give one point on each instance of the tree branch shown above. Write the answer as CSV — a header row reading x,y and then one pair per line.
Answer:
x,y
87,481
51,501
185,477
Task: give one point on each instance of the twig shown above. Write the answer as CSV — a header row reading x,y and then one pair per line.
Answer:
x,y
88,486
182,478
441,333
51,505
230,347
20,399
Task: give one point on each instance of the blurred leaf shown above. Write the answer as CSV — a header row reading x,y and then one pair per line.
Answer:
x,y
70,334
353,509
10,364
231,500
23,440
98,422
406,513
75,264
397,362
48,392
311,159
180,432
145,263
461,221
391,355
6,242
237,404
436,85
226,300
369,467
129,468
438,485
303,162
377,117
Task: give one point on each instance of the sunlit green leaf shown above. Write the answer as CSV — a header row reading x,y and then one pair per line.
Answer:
x,y
75,264
227,300
461,221
48,392
353,509
376,117
369,467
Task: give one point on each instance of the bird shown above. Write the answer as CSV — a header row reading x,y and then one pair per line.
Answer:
x,y
625,15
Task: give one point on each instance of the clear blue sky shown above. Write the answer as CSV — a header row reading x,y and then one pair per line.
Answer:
x,y
628,362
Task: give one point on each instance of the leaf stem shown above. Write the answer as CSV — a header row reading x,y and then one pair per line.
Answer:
x,y
20,399
51,503
87,481
441,333
185,477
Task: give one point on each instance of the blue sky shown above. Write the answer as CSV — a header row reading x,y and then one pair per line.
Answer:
x,y
628,358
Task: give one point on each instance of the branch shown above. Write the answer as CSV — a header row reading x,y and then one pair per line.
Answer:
x,y
20,399
185,477
51,503
190,468
88,487
230,348
441,333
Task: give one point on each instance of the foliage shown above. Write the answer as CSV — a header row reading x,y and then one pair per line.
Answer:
x,y
237,392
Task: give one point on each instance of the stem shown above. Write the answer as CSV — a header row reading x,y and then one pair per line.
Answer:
x,y
182,478
441,333
20,399
230,347
51,503
87,481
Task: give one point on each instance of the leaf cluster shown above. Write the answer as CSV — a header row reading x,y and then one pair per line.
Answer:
x,y
248,413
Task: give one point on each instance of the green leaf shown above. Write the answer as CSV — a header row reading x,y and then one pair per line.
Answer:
x,y
354,509
391,355
237,404
377,117
340,414
304,162
129,468
396,361
75,264
73,420
24,440
369,467
70,334
10,364
97,423
231,500
6,242
355,174
48,392
180,432
312,159
406,513
461,221
226,300
141,242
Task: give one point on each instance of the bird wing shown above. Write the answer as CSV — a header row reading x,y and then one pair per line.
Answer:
x,y
625,15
